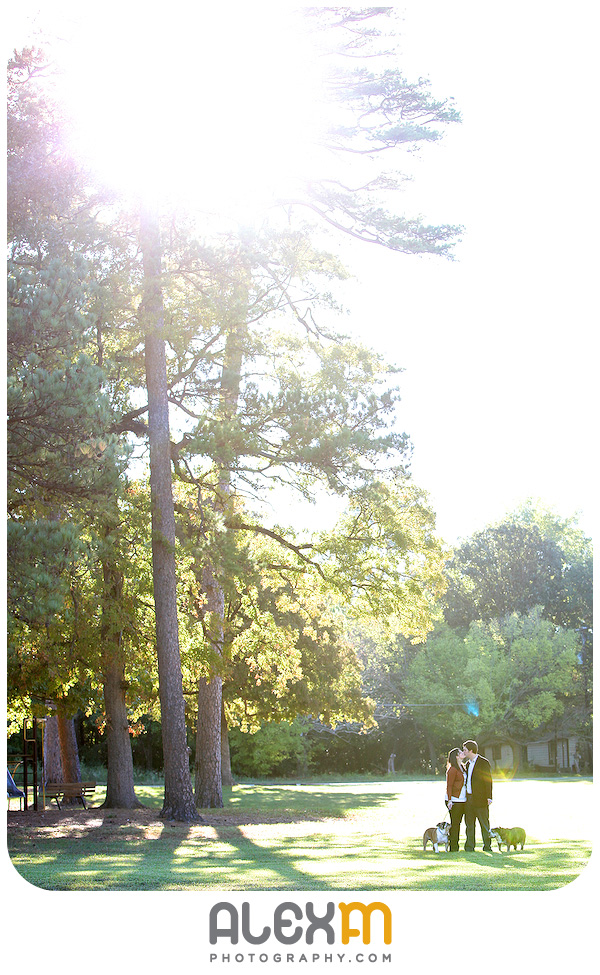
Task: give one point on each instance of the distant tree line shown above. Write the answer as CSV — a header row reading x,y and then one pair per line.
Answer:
x,y
520,674
512,655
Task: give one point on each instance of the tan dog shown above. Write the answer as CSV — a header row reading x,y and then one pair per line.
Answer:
x,y
509,836
436,835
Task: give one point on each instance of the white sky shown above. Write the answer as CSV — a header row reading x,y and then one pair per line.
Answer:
x,y
499,346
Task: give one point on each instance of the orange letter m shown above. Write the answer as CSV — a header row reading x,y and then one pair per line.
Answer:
x,y
366,910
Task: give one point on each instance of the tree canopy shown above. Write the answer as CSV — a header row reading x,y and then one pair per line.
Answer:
x,y
507,678
531,558
513,654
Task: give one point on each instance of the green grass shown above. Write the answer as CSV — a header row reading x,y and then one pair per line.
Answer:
x,y
337,836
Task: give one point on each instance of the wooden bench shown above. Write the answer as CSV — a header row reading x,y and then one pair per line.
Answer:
x,y
69,790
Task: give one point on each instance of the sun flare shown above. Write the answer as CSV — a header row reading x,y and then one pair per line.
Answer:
x,y
211,108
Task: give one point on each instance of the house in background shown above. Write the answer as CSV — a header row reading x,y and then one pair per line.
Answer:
x,y
554,752
550,751
503,752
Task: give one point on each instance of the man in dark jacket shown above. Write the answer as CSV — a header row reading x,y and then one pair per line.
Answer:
x,y
479,796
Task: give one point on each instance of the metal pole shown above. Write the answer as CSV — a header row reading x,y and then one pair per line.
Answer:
x,y
35,764
25,757
43,724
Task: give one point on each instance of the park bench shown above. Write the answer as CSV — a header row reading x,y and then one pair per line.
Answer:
x,y
69,790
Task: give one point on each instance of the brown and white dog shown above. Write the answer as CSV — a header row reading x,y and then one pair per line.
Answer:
x,y
437,835
511,837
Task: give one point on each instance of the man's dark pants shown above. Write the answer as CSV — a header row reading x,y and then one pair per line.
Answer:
x,y
482,815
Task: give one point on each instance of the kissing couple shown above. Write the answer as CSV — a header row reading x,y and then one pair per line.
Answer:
x,y
468,794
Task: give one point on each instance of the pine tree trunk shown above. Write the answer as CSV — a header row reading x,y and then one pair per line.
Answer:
x,y
120,793
69,753
208,786
226,776
178,798
433,755
208,763
52,771
209,792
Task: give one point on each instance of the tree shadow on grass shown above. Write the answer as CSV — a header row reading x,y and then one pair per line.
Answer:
x,y
229,856
539,867
272,867
104,849
282,804
96,860
276,863
281,839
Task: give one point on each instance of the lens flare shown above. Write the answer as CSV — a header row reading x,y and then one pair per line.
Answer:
x,y
210,109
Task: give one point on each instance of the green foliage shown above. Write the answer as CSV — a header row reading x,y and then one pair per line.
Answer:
x,y
506,568
274,749
384,557
284,652
291,405
517,674
59,447
530,558
64,457
573,603
433,688
500,664
260,403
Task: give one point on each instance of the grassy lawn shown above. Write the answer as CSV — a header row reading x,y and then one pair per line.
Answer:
x,y
351,836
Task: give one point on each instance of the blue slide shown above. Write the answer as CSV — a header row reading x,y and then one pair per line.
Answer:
x,y
12,791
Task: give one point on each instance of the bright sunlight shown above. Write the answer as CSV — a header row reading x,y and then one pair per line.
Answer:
x,y
214,108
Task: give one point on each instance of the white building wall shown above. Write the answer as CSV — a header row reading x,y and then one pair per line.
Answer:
x,y
506,759
537,754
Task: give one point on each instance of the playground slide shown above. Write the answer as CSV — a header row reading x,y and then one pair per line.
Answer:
x,y
11,789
